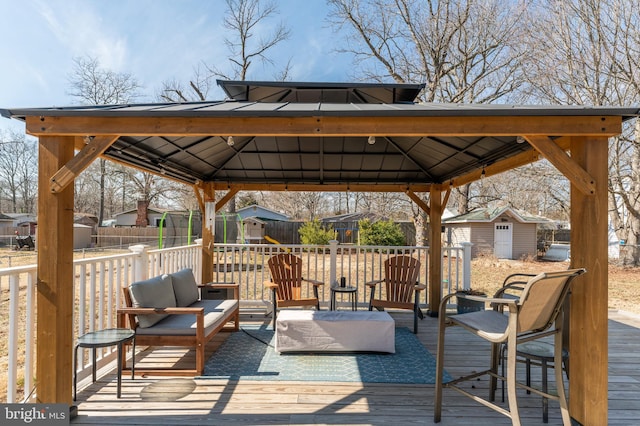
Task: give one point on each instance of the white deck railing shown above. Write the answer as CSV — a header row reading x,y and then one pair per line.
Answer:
x,y
99,280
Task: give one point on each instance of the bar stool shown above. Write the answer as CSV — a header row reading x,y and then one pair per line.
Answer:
x,y
539,353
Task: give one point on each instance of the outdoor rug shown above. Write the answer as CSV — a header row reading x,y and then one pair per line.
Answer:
x,y
249,355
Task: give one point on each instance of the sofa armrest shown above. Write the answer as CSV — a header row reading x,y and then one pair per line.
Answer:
x,y
171,311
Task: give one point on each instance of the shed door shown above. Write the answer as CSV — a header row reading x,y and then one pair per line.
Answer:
x,y
502,240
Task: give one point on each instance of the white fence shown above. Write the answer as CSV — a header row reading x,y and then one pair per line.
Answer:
x,y
98,283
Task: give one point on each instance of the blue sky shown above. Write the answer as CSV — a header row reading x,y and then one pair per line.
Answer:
x,y
154,40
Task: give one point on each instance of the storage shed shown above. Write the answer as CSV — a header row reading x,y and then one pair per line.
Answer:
x,y
504,232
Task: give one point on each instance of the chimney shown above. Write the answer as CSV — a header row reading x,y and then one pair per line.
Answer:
x,y
142,220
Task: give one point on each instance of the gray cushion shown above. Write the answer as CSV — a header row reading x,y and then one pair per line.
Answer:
x,y
184,287
155,292
216,312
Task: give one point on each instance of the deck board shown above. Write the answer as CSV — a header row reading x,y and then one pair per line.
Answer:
x,y
188,401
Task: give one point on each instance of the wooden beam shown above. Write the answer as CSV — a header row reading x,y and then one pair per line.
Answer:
x,y
223,186
199,198
564,163
55,297
518,160
233,190
81,161
445,200
208,236
435,250
343,125
418,201
588,342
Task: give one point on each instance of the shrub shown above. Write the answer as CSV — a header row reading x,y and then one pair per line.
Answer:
x,y
312,233
380,233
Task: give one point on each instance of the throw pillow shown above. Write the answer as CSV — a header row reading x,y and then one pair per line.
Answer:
x,y
155,292
185,287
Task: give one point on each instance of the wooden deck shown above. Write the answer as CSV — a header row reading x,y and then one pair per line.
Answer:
x,y
185,401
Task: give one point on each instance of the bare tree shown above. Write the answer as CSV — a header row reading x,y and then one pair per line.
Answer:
x,y
591,57
242,19
300,205
94,85
246,42
464,50
18,172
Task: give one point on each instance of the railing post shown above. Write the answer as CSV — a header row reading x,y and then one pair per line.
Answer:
x,y
333,262
466,265
140,262
198,258
12,367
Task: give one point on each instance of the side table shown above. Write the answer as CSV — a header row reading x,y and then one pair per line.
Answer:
x,y
101,339
350,290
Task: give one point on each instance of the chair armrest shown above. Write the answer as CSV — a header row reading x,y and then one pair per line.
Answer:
x,y
527,276
373,283
443,304
270,284
420,287
492,300
171,310
502,292
314,282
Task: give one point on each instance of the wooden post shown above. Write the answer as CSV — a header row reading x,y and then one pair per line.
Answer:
x,y
54,369
435,249
208,229
588,342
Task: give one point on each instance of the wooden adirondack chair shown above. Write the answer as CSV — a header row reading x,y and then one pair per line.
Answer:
x,y
286,283
402,289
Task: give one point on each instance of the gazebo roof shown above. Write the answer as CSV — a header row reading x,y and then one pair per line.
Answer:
x,y
291,133
317,136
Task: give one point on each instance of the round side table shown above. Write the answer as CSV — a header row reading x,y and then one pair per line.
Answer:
x,y
350,290
103,339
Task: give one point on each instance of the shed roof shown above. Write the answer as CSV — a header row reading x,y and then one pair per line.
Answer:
x,y
487,215
253,210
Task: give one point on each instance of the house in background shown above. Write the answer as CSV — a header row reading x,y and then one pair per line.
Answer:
x,y
87,219
26,222
251,224
504,232
5,221
129,218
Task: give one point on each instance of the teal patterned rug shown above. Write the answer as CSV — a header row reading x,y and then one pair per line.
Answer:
x,y
249,355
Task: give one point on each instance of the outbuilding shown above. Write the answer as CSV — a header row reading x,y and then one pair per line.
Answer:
x,y
503,232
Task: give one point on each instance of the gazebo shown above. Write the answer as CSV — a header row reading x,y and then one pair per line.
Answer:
x,y
276,136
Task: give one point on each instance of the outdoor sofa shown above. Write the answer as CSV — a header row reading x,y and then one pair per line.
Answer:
x,y
167,311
